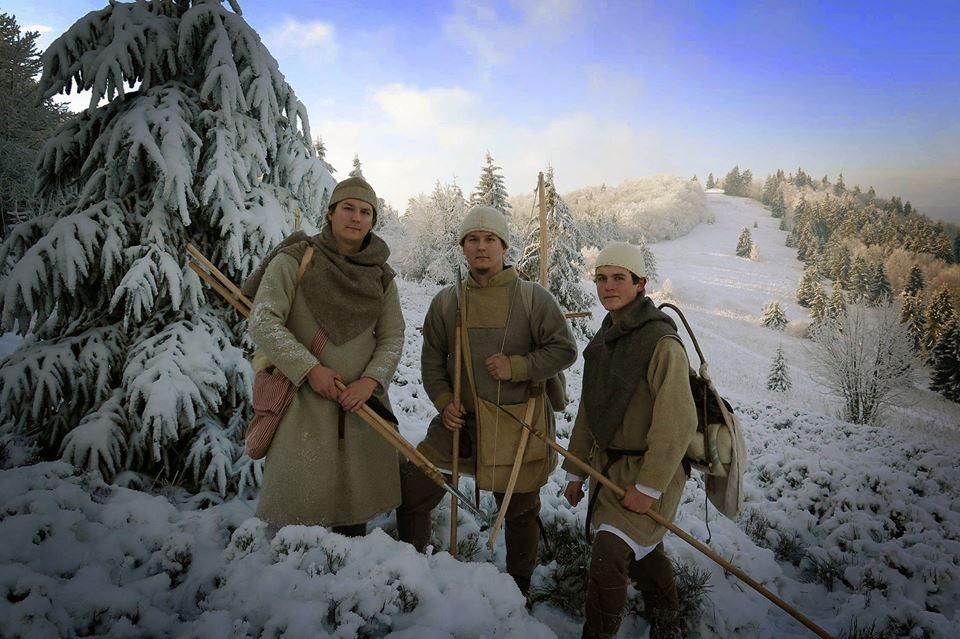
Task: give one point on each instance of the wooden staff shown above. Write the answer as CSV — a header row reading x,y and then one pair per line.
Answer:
x,y
457,394
541,194
696,543
222,285
234,290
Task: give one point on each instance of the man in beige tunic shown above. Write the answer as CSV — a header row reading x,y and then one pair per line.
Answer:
x,y
515,341
325,466
636,419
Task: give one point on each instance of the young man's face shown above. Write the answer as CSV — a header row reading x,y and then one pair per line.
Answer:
x,y
615,287
350,221
484,252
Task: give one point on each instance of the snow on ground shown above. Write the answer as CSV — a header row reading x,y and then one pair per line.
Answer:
x,y
857,526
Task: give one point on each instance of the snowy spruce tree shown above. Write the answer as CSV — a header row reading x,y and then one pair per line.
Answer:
x,y
913,316
773,316
778,380
808,282
565,261
818,305
915,282
754,252
858,282
744,243
879,286
490,191
939,314
836,306
131,365
357,170
649,259
946,363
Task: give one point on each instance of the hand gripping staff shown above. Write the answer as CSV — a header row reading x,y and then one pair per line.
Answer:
x,y
229,291
679,532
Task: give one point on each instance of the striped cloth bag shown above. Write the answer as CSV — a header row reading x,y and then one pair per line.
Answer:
x,y
272,396
273,392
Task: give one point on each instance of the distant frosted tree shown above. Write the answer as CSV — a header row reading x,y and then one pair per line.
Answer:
x,y
818,305
490,191
839,187
357,170
913,317
940,313
711,183
778,380
946,363
25,121
914,282
858,282
133,365
744,243
773,316
779,207
808,283
430,250
866,359
879,286
837,306
649,259
565,260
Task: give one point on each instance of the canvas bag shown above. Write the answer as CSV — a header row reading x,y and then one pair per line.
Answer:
x,y
272,391
718,449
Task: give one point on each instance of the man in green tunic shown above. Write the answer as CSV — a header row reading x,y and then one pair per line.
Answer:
x,y
635,422
515,340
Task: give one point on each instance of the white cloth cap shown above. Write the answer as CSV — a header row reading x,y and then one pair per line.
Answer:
x,y
485,218
624,255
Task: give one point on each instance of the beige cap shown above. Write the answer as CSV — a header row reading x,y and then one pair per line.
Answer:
x,y
485,218
624,255
356,188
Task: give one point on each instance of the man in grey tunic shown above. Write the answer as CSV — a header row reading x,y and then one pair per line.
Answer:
x,y
515,340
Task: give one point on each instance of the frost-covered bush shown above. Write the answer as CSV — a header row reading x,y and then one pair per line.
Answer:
x,y
82,558
130,367
867,359
429,250
658,207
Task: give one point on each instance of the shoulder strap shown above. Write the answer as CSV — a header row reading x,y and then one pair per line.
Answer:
x,y
526,296
304,262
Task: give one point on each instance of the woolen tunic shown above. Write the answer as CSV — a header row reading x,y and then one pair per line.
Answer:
x,y
310,475
660,418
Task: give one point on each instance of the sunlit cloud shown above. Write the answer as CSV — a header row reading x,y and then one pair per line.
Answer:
x,y
494,37
413,137
292,37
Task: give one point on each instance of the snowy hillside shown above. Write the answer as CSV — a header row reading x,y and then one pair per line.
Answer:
x,y
857,526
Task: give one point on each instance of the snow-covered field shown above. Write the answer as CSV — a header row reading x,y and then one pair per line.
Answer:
x,y
857,526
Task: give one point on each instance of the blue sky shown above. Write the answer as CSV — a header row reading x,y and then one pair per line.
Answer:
x,y
606,91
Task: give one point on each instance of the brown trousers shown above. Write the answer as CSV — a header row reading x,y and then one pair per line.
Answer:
x,y
612,564
521,530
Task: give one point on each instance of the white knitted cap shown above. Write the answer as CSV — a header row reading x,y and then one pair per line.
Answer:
x,y
485,218
624,255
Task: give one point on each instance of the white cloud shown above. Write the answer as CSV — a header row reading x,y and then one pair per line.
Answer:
x,y
292,37
408,138
40,28
494,39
